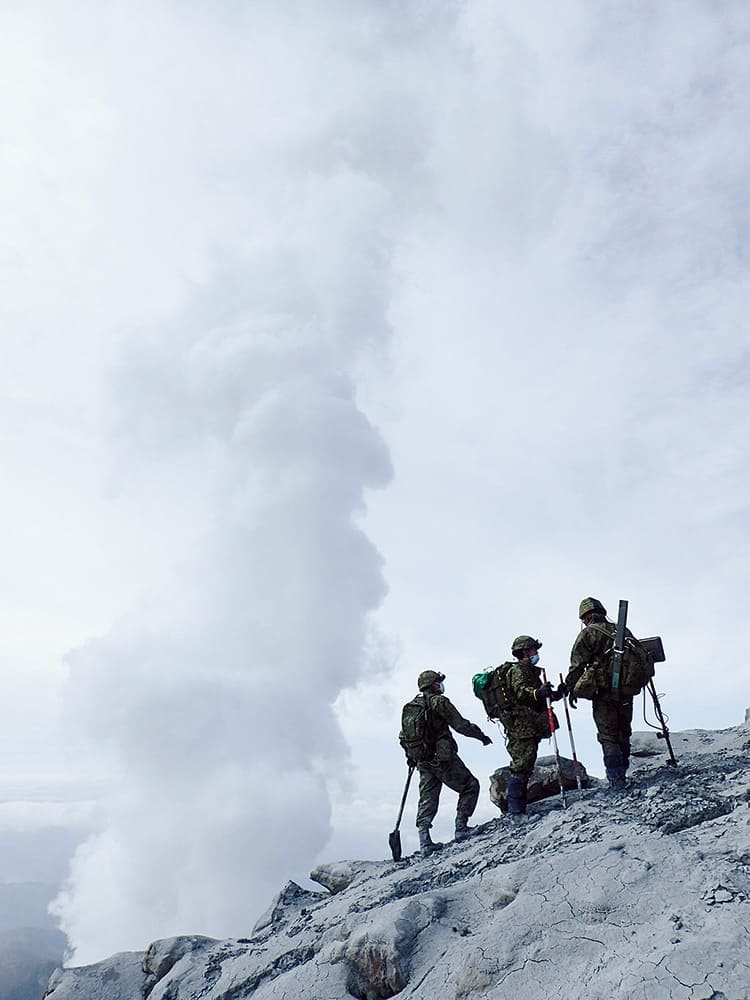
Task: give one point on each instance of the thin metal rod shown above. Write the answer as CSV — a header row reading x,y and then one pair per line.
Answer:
x,y
551,718
576,762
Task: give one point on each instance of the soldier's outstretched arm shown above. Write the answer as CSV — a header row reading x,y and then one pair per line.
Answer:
x,y
456,721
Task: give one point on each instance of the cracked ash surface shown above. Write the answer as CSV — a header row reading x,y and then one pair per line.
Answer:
x,y
644,896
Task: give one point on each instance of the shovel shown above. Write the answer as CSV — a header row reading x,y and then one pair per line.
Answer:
x,y
394,838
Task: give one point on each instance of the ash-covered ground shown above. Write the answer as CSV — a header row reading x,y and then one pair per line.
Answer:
x,y
643,895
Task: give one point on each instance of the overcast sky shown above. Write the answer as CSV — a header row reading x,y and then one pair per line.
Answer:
x,y
340,340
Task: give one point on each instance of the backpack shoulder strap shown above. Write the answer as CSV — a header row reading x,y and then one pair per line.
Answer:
x,y
503,673
427,700
602,630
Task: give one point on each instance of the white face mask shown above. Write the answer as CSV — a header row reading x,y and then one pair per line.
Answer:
x,y
442,688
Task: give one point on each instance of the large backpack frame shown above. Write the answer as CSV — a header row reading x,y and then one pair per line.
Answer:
x,y
637,666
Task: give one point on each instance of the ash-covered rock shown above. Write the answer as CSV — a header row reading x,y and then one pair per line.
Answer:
x,y
339,876
292,902
638,895
646,745
120,977
162,956
544,782
378,954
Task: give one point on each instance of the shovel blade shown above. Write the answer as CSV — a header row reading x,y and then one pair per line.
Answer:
x,y
394,842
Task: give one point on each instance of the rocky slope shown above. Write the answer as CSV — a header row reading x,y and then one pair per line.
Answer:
x,y
644,895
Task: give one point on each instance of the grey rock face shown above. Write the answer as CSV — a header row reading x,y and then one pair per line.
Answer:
x,y
292,900
120,977
162,956
378,955
544,782
339,876
641,896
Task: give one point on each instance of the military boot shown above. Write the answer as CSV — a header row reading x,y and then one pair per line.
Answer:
x,y
615,769
625,751
517,793
426,844
463,830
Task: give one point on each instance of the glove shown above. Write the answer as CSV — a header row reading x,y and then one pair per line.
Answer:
x,y
572,700
562,688
544,691
557,695
486,740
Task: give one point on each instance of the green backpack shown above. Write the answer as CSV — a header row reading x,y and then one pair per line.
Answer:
x,y
416,736
493,689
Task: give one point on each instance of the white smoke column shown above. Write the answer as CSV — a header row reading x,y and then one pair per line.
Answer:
x,y
215,701
219,712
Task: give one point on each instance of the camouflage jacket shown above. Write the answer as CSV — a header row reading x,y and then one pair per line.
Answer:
x,y
592,643
524,679
444,716
528,716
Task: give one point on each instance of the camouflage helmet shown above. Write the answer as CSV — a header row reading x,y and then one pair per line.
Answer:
x,y
591,604
427,678
522,642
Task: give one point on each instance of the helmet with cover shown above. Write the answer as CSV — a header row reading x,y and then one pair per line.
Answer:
x,y
523,642
591,604
427,678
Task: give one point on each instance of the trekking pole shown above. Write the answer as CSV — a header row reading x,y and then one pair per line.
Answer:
x,y
664,734
551,718
394,838
576,764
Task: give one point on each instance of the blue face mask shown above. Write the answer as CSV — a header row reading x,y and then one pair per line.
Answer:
x,y
442,688
535,659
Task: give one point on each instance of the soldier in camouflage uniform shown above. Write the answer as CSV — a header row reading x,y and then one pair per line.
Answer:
x,y
525,718
613,713
446,768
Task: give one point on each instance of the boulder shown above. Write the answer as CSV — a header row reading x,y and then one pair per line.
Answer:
x,y
339,876
162,956
543,783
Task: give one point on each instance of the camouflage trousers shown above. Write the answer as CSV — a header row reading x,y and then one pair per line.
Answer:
x,y
522,751
524,730
613,720
456,775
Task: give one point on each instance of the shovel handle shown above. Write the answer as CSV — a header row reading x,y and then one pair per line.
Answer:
x,y
403,797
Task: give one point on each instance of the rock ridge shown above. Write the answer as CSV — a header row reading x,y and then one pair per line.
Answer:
x,y
642,895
